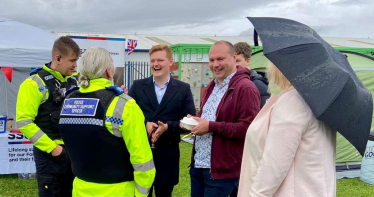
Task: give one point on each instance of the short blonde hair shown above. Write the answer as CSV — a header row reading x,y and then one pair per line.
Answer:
x,y
93,65
161,47
277,78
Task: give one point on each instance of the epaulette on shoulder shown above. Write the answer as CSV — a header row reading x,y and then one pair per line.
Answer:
x,y
33,72
70,90
116,89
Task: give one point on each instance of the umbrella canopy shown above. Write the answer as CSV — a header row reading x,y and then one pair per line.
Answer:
x,y
321,74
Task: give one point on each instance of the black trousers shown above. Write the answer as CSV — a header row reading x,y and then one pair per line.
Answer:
x,y
161,190
234,192
53,174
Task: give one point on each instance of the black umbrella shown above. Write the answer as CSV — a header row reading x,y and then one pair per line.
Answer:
x,y
321,74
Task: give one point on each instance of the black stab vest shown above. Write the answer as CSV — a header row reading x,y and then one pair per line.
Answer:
x,y
96,154
49,111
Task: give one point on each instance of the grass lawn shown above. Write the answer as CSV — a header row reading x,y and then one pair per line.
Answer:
x,y
10,185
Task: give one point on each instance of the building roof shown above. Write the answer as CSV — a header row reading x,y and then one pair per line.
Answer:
x,y
147,41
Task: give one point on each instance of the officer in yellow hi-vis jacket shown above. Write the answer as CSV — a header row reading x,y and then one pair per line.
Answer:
x,y
104,133
38,108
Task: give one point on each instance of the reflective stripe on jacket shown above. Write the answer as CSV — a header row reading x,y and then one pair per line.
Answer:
x,y
32,93
123,119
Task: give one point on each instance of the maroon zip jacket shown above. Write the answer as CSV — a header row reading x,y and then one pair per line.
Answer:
x,y
237,109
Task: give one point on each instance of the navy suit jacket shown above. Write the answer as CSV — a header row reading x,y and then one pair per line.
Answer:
x,y
176,103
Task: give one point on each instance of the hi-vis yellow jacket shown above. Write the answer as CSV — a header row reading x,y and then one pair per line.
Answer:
x,y
134,134
32,93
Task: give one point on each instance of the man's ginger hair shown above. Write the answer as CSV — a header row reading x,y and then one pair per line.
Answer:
x,y
161,47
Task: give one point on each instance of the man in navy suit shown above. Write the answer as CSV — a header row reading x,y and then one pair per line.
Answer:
x,y
164,102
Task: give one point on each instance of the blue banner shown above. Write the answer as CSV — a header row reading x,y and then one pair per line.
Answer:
x,y
80,107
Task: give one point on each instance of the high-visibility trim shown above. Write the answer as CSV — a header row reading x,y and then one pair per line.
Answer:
x,y
37,136
125,96
144,166
117,133
116,119
23,123
80,121
141,189
42,88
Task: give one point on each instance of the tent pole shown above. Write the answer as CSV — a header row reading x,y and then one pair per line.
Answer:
x,y
6,96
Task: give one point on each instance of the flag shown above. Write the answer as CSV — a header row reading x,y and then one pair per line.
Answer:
x,y
131,45
8,73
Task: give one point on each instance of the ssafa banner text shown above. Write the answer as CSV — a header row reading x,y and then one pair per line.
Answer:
x,y
115,46
16,154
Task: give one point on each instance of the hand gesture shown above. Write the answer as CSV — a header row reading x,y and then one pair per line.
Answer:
x,y
162,127
151,127
125,89
57,151
202,128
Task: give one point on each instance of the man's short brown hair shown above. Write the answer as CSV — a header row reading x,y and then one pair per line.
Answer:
x,y
162,47
64,45
243,48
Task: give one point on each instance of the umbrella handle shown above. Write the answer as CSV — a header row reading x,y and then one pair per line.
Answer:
x,y
255,37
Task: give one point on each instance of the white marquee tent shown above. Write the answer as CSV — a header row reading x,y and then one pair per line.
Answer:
x,y
22,47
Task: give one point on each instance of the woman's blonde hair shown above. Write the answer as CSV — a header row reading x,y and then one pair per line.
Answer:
x,y
276,78
93,65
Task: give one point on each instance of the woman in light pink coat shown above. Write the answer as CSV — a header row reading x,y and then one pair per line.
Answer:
x,y
288,152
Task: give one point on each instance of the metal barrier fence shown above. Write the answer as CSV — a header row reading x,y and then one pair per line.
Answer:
x,y
135,70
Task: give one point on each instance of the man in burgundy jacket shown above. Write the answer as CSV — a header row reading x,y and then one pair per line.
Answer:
x,y
229,105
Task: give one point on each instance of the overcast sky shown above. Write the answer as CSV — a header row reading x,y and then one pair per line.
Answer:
x,y
330,18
